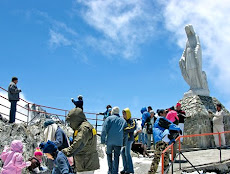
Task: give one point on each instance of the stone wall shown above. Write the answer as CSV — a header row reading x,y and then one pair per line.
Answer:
x,y
198,120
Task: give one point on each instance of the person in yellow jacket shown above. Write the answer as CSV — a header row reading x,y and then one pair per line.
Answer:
x,y
84,147
126,150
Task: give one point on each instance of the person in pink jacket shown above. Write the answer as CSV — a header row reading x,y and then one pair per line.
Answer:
x,y
13,159
172,116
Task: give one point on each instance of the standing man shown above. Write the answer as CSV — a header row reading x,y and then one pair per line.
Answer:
x,y
79,103
145,116
181,115
126,151
13,96
218,125
114,137
84,146
150,123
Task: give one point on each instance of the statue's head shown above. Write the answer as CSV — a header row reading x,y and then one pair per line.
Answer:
x,y
189,30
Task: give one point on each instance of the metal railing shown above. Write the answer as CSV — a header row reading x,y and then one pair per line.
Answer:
x,y
163,170
60,114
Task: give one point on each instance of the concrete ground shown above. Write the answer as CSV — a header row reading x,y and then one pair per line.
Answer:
x,y
199,158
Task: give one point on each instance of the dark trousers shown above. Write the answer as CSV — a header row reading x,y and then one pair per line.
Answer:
x,y
113,160
13,109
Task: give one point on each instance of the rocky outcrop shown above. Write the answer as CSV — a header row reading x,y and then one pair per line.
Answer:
x,y
198,120
31,135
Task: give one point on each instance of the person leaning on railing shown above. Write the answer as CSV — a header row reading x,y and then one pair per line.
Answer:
x,y
13,96
107,113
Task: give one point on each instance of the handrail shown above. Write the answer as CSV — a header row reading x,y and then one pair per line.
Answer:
x,y
34,103
186,136
48,107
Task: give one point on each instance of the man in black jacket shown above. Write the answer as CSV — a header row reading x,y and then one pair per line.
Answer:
x,y
79,102
13,96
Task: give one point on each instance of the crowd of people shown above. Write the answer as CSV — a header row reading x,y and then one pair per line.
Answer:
x,y
120,134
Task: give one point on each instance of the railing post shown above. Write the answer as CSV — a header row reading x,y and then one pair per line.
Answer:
x,y
179,153
162,161
172,157
28,114
219,144
96,122
65,116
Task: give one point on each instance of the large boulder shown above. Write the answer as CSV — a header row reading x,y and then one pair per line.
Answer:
x,y
31,135
198,120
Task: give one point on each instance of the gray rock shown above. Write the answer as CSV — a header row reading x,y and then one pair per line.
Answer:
x,y
198,120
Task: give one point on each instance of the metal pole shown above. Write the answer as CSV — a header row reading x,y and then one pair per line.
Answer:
x,y
65,116
219,144
162,161
172,160
190,163
28,114
96,122
179,153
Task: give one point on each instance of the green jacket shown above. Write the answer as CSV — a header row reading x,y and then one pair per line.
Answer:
x,y
84,147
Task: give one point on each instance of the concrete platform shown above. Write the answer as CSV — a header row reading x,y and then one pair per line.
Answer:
x,y
203,160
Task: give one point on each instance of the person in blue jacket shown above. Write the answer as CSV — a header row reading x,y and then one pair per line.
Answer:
x,y
54,133
165,133
145,115
107,113
114,136
61,164
143,136
126,150
79,103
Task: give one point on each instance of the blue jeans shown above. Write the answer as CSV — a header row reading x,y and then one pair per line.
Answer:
x,y
143,138
12,111
126,157
113,163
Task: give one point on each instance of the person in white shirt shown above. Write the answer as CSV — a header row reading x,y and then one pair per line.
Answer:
x,y
218,125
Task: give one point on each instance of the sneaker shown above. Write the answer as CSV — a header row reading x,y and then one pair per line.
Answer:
x,y
122,172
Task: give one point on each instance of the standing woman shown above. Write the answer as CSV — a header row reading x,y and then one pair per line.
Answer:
x,y
126,150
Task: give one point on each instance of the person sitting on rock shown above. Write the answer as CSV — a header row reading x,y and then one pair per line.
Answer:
x,y
84,146
79,103
36,161
13,159
165,133
54,133
61,164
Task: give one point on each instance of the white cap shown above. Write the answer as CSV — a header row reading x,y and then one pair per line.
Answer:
x,y
152,112
80,96
115,110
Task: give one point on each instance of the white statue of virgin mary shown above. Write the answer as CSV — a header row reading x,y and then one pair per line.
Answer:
x,y
191,65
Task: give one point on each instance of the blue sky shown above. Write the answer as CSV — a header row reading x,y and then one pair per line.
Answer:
x,y
123,53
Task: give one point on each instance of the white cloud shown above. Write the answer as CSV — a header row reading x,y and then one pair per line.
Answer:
x,y
57,39
55,24
124,24
211,22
